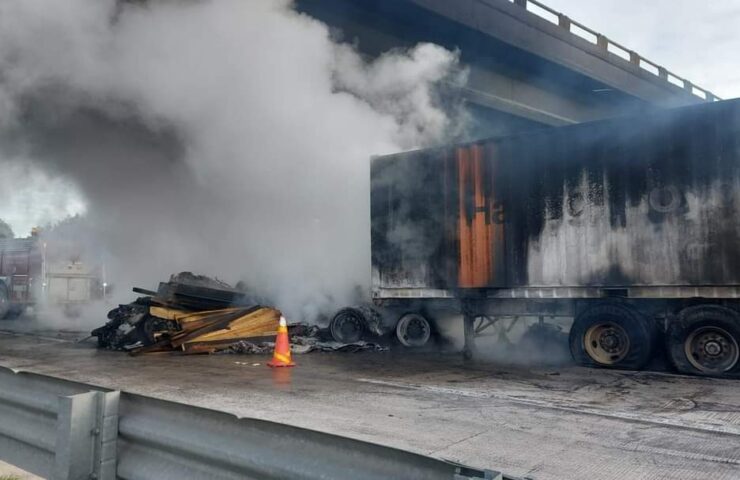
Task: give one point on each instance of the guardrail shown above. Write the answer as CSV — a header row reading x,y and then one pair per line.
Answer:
x,y
71,431
57,429
609,46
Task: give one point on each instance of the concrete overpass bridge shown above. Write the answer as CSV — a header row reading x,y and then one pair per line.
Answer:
x,y
529,64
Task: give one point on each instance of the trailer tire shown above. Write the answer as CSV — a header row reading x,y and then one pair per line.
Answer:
x,y
4,301
698,328
611,336
413,330
348,325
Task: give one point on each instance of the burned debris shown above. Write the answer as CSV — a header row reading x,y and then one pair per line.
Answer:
x,y
198,314
189,313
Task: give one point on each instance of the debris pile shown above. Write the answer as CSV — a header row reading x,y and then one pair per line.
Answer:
x,y
190,313
198,314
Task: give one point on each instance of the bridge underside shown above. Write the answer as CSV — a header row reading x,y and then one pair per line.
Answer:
x,y
524,72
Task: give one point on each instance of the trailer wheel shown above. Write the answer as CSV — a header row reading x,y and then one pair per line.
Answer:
x,y
705,340
413,330
348,325
4,301
611,336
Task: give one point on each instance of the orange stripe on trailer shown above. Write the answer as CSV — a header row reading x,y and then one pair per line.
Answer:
x,y
464,230
476,228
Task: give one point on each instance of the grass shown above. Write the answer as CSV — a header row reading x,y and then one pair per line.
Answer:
x,y
9,477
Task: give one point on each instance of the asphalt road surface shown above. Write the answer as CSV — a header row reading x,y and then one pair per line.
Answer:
x,y
566,423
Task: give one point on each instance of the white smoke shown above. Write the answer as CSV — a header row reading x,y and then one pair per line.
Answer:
x,y
31,198
229,137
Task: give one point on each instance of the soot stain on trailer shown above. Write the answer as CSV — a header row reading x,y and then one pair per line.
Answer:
x,y
646,201
646,171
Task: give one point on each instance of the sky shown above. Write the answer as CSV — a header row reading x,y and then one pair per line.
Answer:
x,y
695,39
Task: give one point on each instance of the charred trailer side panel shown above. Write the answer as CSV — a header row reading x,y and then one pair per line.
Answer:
x,y
644,209
627,203
645,202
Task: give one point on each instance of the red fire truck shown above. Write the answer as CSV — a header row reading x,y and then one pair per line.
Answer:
x,y
28,277
21,274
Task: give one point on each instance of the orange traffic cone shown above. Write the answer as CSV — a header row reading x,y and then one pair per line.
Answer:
x,y
281,355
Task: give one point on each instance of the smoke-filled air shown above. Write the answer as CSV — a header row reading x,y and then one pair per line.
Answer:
x,y
227,137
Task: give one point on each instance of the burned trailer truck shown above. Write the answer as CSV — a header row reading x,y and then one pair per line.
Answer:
x,y
628,226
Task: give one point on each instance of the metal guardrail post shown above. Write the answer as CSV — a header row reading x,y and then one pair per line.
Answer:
x,y
57,429
104,465
602,42
87,428
635,58
564,22
521,3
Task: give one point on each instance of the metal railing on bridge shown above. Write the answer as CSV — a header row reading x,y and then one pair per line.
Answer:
x,y
610,46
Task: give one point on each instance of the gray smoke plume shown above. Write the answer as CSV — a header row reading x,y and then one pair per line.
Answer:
x,y
228,137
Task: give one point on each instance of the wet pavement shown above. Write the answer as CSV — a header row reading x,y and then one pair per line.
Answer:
x,y
541,423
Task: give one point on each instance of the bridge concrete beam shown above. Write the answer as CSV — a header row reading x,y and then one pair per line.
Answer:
x,y
514,25
508,94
